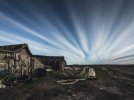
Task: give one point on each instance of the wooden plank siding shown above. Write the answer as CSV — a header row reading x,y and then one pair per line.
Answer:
x,y
19,61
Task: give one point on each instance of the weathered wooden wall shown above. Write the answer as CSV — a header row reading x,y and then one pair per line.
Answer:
x,y
3,63
57,64
17,63
37,64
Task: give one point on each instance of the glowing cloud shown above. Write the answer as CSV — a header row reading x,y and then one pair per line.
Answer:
x,y
85,32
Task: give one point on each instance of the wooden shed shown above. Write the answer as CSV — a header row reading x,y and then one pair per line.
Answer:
x,y
18,60
56,62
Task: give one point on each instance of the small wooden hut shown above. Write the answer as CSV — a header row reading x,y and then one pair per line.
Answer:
x,y
18,60
56,62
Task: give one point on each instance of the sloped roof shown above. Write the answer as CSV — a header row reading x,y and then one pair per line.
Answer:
x,y
44,58
14,48
49,57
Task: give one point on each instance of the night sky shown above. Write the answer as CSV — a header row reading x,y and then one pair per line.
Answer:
x,y
84,31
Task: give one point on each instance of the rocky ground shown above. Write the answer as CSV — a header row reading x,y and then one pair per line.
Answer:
x,y
112,83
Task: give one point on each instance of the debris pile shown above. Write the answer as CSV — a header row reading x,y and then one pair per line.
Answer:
x,y
10,80
72,75
2,85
